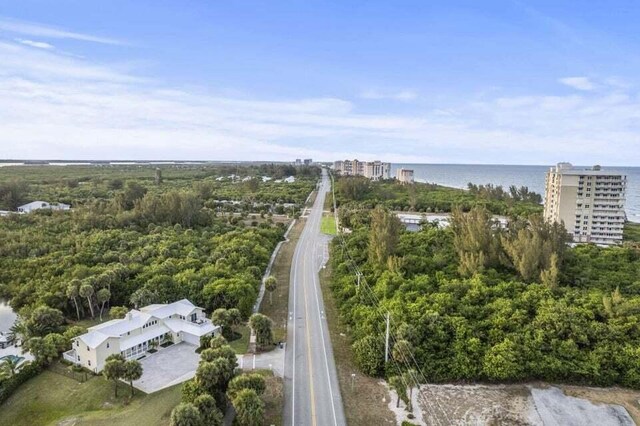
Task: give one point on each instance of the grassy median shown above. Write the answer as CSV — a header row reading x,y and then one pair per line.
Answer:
x,y
328,225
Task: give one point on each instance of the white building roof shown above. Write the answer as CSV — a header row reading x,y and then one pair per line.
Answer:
x,y
181,307
94,339
135,319
132,341
196,329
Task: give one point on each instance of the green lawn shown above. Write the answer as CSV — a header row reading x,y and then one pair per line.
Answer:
x,y
50,398
328,225
241,344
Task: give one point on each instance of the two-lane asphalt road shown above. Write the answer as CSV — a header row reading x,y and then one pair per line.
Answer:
x,y
312,392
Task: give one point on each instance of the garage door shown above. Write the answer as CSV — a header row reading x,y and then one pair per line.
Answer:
x,y
190,338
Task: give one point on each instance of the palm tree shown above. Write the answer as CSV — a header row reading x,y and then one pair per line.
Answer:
x,y
103,295
249,408
18,331
8,367
72,293
113,369
185,414
132,370
270,284
86,290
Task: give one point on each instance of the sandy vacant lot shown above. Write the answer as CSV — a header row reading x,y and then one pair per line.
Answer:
x,y
532,404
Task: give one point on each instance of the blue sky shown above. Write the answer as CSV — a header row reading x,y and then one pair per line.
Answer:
x,y
407,81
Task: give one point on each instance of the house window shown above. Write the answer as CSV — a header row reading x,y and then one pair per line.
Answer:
x,y
88,349
89,362
107,345
78,357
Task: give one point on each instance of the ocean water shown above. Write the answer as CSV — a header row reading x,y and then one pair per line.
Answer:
x,y
7,316
459,175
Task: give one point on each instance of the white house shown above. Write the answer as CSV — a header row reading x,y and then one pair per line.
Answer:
x,y
140,331
37,205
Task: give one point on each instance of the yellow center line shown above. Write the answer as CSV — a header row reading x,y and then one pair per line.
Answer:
x,y
313,398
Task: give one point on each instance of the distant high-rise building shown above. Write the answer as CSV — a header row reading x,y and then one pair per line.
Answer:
x,y
590,202
308,161
374,170
404,175
298,162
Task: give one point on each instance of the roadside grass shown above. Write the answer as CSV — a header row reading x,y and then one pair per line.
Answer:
x,y
278,311
328,225
89,322
241,344
363,404
632,232
50,398
273,398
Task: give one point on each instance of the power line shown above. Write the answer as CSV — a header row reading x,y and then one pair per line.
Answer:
x,y
362,280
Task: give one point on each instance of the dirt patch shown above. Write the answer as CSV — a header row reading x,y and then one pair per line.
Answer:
x,y
526,404
475,404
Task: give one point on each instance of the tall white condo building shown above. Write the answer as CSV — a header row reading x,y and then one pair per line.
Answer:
x,y
590,202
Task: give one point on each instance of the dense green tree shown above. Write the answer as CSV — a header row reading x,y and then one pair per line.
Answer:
x,y
44,320
249,407
246,381
43,350
368,354
209,412
13,193
185,414
530,246
474,240
118,312
384,236
502,362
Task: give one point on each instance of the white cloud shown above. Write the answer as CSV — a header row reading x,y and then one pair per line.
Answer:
x,y
38,30
402,95
57,106
38,44
579,83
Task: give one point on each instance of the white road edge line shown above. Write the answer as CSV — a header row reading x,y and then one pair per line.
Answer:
x,y
324,348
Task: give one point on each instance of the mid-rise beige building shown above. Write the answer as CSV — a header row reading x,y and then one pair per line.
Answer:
x,y
590,203
373,170
404,175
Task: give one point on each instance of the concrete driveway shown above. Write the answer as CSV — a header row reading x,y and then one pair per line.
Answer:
x,y
272,360
168,367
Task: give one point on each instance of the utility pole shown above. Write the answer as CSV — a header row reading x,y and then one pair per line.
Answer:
x,y
386,342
